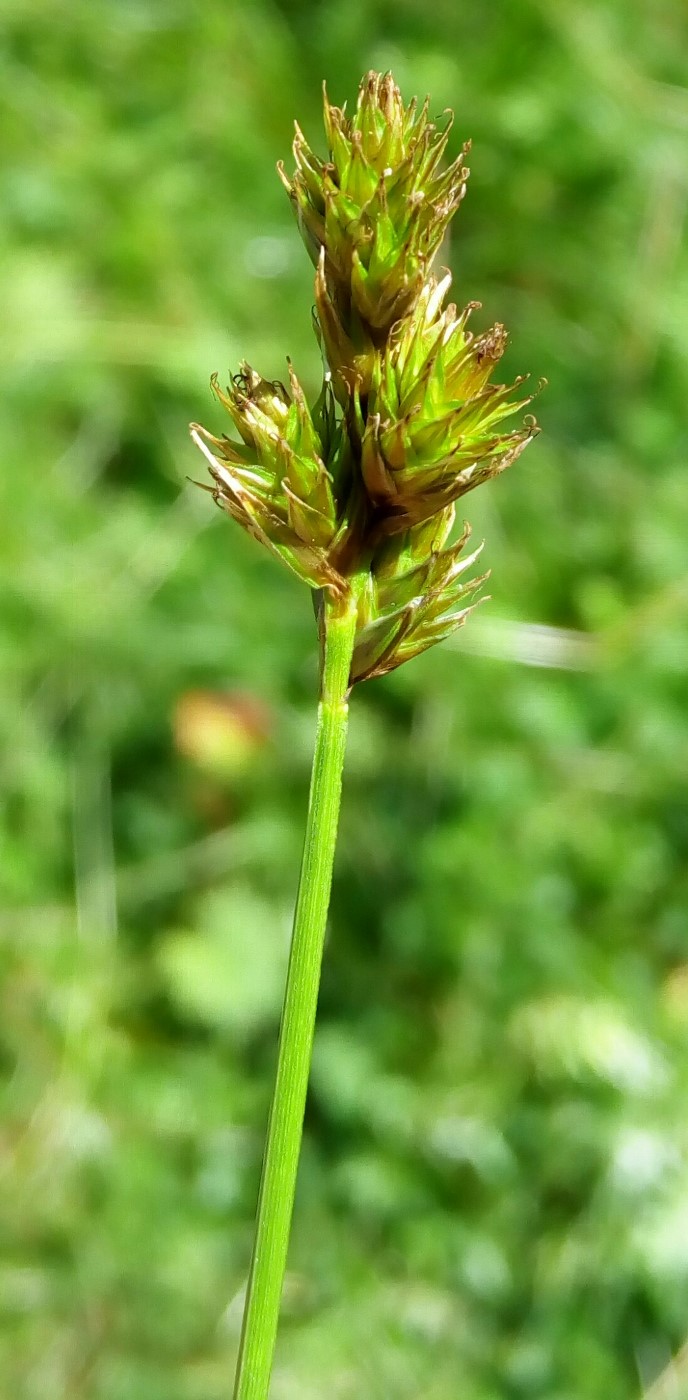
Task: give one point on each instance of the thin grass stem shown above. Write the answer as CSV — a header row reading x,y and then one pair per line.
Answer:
x,y
285,1126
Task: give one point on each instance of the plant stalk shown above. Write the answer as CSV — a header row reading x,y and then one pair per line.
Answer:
x,y
285,1125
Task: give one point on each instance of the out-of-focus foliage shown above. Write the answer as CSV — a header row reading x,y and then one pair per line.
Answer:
x,y
493,1200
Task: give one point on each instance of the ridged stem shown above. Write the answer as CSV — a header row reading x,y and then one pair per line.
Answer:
x,y
285,1125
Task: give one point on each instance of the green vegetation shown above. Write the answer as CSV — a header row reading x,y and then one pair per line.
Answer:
x,y
357,495
493,1196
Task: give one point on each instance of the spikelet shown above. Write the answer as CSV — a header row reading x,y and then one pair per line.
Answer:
x,y
358,493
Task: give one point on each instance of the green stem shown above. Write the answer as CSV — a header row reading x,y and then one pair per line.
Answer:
x,y
280,1162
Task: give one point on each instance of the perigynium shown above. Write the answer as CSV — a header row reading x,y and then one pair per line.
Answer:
x,y
357,495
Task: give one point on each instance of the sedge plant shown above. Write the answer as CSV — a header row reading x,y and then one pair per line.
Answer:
x,y
356,494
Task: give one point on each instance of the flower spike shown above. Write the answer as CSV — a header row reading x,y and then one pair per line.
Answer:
x,y
357,495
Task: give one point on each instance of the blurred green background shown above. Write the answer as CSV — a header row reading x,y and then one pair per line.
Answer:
x,y
493,1202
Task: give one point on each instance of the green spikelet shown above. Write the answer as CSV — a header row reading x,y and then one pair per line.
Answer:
x,y
358,493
